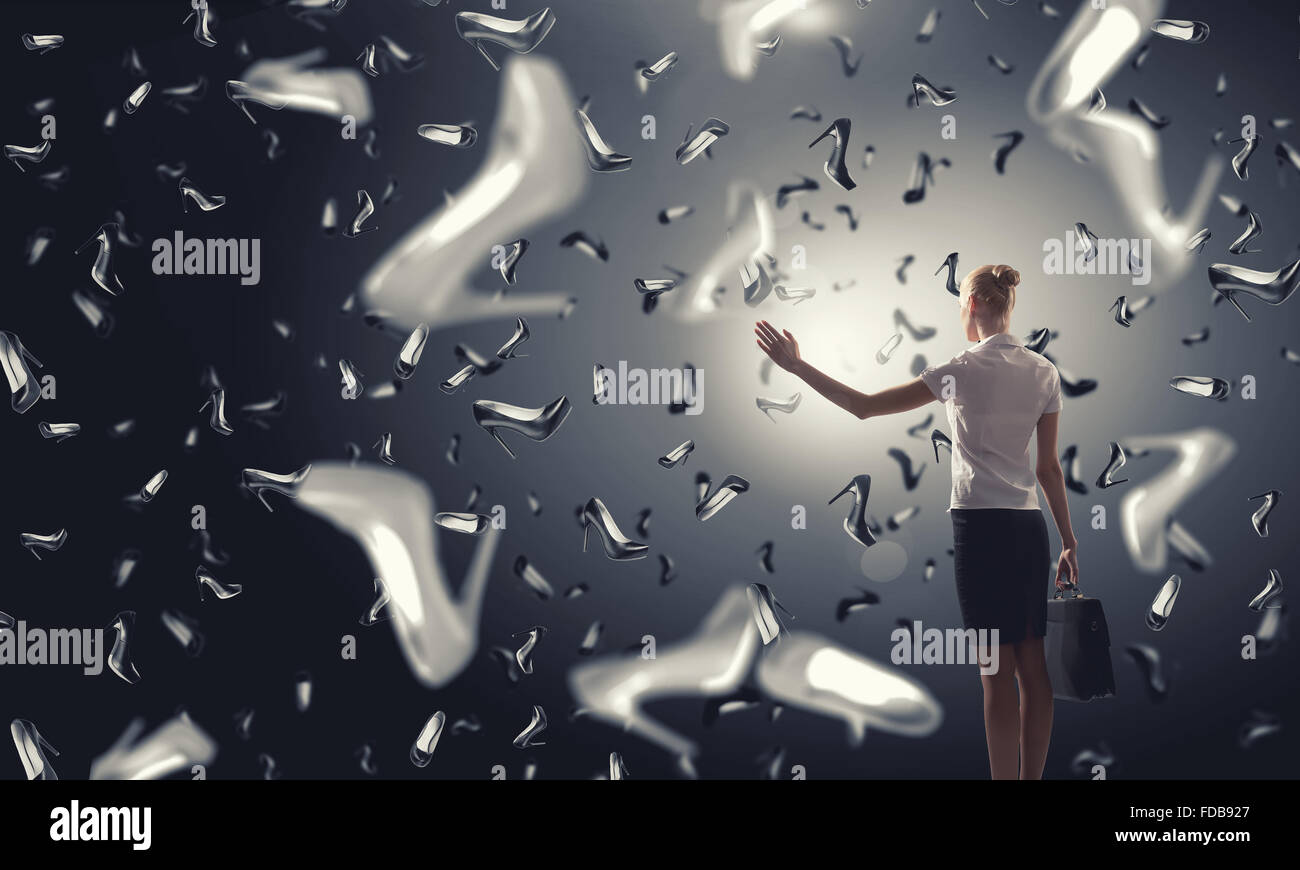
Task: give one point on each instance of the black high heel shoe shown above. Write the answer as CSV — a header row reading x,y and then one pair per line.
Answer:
x,y
217,418
520,36
618,546
14,358
938,438
856,522
1273,288
259,481
537,424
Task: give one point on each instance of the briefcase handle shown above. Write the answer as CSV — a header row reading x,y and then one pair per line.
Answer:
x,y
1069,584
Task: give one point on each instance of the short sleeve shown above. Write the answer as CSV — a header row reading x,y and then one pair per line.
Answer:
x,y
942,378
1053,393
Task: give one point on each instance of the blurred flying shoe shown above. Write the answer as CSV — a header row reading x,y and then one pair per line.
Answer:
x,y
390,514
535,171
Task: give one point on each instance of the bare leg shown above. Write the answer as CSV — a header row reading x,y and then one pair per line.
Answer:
x,y
1035,707
1001,715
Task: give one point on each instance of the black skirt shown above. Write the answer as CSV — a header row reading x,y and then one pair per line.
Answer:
x,y
1003,569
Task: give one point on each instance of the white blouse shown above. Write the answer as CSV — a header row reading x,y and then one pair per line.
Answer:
x,y
994,392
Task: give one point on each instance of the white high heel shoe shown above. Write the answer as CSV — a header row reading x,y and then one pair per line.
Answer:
x,y
390,514
797,668
1125,149
535,170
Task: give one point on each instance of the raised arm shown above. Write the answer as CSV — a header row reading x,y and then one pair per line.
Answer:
x,y
782,348
1052,479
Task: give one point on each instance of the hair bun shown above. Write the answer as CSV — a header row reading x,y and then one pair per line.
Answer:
x,y
1006,277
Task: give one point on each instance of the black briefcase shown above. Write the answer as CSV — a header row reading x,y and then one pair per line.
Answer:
x,y
1078,648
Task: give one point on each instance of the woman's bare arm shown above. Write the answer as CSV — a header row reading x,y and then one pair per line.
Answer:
x,y
782,348
1052,479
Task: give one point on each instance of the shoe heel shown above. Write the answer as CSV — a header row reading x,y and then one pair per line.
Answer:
x,y
28,355
497,435
45,744
1232,297
841,492
482,49
261,496
586,527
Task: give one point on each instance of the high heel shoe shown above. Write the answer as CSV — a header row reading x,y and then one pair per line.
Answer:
x,y
836,171
258,412
119,658
922,175
208,551
521,334
285,484
31,750
535,169
1124,149
14,358
1273,288
1149,510
217,418
33,541
678,455
202,27
390,514
177,744
519,36
815,673
101,271
189,192
28,153
726,653
618,546
950,262
732,485
856,522
297,83
714,660
96,313
938,438
536,424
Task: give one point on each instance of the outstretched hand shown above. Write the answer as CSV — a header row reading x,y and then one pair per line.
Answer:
x,y
780,346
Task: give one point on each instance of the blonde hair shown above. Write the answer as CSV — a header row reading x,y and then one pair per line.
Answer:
x,y
995,288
